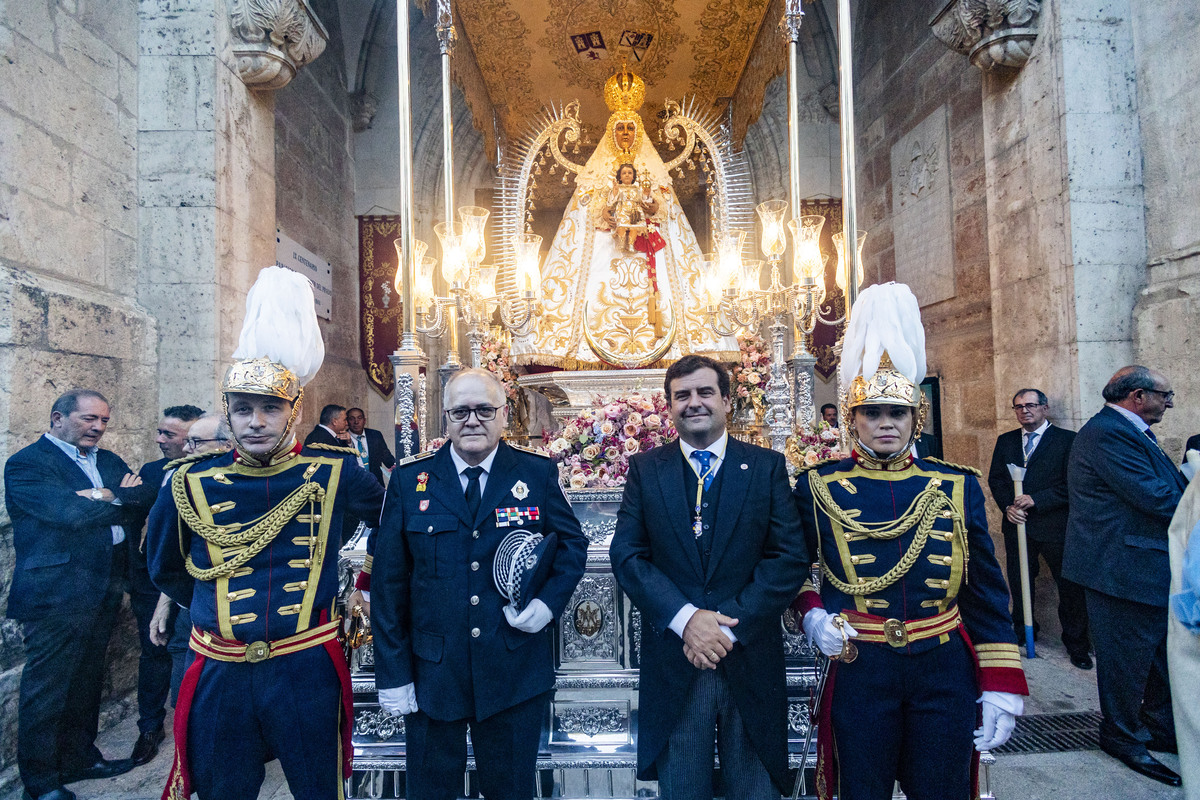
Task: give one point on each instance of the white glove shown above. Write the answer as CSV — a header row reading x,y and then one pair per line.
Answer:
x,y
535,616
399,701
1000,712
820,630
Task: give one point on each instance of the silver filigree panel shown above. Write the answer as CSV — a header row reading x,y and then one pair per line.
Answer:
x,y
589,627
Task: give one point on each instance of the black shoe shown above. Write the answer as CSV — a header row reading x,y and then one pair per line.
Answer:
x,y
61,793
1148,765
1082,661
1163,746
103,768
146,747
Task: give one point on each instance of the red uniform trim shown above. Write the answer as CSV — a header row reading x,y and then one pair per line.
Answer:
x,y
179,781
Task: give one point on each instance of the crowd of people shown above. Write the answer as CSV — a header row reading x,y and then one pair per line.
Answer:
x,y
235,589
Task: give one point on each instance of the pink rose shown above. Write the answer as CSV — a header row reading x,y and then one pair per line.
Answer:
x,y
631,446
607,428
634,419
631,429
611,453
653,422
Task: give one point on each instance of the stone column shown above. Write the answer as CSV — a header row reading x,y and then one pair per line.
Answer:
x,y
206,189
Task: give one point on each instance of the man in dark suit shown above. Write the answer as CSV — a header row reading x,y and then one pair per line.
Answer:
x,y
1042,449
373,453
449,652
332,428
1123,492
709,548
154,662
67,501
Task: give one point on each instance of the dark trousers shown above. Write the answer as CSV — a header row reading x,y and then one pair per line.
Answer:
x,y
59,707
154,663
243,715
905,717
1131,673
177,646
1072,606
505,746
685,767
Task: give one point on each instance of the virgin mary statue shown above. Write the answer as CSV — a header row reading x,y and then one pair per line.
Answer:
x,y
621,285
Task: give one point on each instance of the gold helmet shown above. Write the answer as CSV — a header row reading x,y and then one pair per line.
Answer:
x,y
883,356
261,376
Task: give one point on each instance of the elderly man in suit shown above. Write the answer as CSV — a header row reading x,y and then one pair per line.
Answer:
x,y
449,651
709,548
1123,492
373,453
1042,449
67,498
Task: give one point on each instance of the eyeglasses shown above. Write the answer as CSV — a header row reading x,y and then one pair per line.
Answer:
x,y
194,443
482,413
1027,406
1168,396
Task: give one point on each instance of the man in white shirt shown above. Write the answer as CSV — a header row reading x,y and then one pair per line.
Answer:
x,y
373,453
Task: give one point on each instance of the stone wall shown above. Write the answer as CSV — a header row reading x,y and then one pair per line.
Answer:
x,y
68,258
1165,317
314,203
905,77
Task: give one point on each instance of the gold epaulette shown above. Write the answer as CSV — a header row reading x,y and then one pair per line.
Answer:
x,y
529,450
959,467
419,456
820,463
333,448
193,458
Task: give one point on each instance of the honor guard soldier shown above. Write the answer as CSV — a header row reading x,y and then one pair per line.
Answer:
x,y
248,540
464,598
912,605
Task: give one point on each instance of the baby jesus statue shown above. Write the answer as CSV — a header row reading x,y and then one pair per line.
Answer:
x,y
629,207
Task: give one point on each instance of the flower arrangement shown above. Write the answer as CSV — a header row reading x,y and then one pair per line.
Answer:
x,y
805,448
434,444
593,449
496,359
750,375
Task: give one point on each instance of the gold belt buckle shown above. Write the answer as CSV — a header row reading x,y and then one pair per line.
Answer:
x,y
895,633
257,651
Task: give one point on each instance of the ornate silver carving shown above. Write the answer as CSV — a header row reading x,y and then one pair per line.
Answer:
x,y
991,33
598,591
405,407
365,654
802,382
793,16
272,39
798,718
598,531
446,35
635,625
378,723
422,409
592,720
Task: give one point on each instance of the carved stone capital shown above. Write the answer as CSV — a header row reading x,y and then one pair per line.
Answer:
x,y
272,39
991,33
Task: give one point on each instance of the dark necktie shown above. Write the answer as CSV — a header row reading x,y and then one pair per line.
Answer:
x,y
704,458
1150,433
1030,439
474,496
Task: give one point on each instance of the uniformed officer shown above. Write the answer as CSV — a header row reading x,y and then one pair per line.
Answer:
x,y
912,602
247,540
449,650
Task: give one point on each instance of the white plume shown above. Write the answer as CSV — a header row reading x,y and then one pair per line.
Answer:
x,y
281,323
885,317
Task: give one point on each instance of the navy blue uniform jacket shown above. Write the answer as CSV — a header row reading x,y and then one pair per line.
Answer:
x,y
757,564
435,610
1123,493
63,541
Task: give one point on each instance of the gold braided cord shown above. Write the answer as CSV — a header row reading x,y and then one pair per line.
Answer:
x,y
256,537
922,513
960,467
333,448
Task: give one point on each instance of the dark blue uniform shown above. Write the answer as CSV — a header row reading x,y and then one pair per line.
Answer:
x,y
437,616
277,700
933,625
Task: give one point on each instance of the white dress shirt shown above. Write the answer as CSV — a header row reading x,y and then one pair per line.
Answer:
x,y
87,463
1037,439
461,467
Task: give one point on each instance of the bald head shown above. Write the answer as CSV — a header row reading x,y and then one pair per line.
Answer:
x,y
1144,391
484,379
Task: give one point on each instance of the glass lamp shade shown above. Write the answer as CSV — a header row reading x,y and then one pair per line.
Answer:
x,y
423,288
842,268
528,247
774,235
418,252
473,220
729,253
808,265
485,282
455,267
751,278
710,277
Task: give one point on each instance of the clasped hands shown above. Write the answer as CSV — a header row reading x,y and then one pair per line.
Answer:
x,y
704,642
1018,512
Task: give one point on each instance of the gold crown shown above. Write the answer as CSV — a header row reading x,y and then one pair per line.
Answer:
x,y
887,386
624,91
261,376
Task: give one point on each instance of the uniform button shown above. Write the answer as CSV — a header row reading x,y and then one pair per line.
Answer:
x,y
474,534
475,633
431,529
474,566
705,527
474,599
706,505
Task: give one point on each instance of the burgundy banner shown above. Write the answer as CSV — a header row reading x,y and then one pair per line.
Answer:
x,y
822,340
379,302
